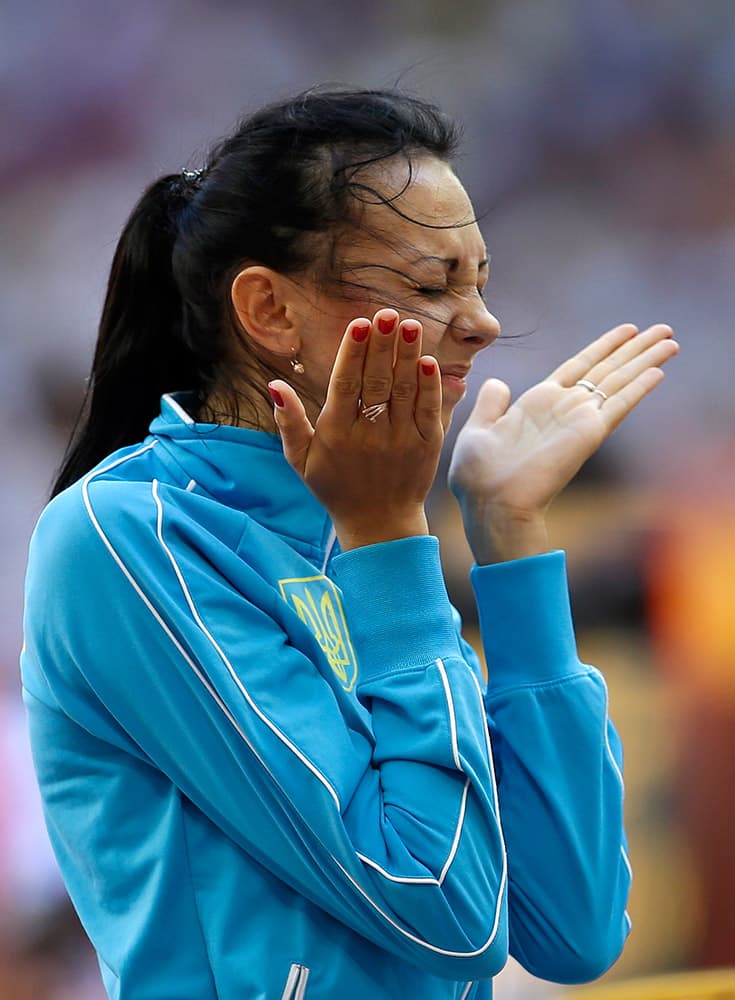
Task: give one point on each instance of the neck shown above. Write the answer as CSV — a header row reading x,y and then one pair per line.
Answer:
x,y
240,409
237,410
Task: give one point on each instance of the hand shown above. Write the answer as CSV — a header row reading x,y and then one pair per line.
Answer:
x,y
372,476
510,462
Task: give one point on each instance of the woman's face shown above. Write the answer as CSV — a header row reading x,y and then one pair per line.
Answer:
x,y
424,256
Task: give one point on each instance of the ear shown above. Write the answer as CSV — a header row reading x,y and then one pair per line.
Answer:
x,y
261,298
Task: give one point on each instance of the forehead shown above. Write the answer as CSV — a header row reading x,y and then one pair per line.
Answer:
x,y
428,211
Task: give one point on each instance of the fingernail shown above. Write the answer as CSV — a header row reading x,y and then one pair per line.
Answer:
x,y
275,396
386,324
410,332
360,331
428,367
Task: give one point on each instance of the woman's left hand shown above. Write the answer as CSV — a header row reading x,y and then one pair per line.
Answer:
x,y
510,462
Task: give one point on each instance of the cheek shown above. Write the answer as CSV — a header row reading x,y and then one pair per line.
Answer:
x,y
330,329
432,343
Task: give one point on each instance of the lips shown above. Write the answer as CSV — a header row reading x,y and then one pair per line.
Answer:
x,y
454,378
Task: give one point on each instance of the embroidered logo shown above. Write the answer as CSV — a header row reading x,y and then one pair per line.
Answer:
x,y
317,602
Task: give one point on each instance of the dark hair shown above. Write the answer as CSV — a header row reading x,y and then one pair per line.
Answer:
x,y
267,194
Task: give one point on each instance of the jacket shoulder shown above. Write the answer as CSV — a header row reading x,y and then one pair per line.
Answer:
x,y
73,521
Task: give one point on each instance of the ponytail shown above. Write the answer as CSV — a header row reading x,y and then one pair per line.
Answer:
x,y
140,352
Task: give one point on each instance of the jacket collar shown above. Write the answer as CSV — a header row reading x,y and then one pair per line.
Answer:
x,y
244,469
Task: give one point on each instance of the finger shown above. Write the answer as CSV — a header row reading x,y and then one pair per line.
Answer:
x,y
377,372
656,355
637,347
345,382
578,366
428,409
292,423
405,372
615,409
492,401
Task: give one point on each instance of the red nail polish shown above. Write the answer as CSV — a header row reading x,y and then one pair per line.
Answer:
x,y
275,396
428,367
410,332
386,324
360,331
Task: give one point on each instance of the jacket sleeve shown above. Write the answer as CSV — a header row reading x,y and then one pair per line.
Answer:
x,y
181,643
558,762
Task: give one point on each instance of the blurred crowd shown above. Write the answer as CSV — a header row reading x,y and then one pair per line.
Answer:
x,y
600,151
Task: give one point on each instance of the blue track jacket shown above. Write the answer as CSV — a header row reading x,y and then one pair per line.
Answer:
x,y
273,771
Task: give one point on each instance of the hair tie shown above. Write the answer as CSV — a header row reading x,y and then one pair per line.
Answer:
x,y
191,181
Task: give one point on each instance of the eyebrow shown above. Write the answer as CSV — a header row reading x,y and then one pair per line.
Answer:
x,y
451,262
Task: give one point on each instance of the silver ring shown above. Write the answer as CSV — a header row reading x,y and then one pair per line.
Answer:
x,y
585,382
372,413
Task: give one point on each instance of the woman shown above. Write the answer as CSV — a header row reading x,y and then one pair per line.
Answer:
x,y
270,765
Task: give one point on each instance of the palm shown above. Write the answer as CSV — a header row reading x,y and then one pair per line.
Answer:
x,y
519,457
525,457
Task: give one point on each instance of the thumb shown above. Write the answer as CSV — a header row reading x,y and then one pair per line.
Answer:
x,y
292,423
492,402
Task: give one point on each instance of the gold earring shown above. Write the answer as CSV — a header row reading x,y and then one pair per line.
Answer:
x,y
297,366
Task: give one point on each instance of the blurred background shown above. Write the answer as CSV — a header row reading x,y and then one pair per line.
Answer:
x,y
600,146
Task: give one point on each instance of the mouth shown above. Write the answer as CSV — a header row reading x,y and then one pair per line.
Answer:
x,y
454,379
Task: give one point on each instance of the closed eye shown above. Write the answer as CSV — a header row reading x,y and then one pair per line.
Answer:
x,y
431,293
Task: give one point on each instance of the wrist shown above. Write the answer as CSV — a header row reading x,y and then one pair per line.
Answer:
x,y
380,528
500,535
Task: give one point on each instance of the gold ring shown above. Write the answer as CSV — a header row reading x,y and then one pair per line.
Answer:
x,y
372,413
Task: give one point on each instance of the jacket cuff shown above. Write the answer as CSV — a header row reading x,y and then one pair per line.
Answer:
x,y
396,605
526,620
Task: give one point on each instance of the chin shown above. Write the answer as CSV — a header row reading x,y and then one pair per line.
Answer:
x,y
447,414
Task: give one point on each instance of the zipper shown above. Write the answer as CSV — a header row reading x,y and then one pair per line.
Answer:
x,y
295,988
330,546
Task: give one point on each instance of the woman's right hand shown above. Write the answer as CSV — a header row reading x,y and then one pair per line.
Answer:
x,y
371,476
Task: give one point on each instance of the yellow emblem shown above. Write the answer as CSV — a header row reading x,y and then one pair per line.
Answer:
x,y
317,602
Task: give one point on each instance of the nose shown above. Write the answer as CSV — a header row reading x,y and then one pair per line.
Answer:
x,y
474,325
